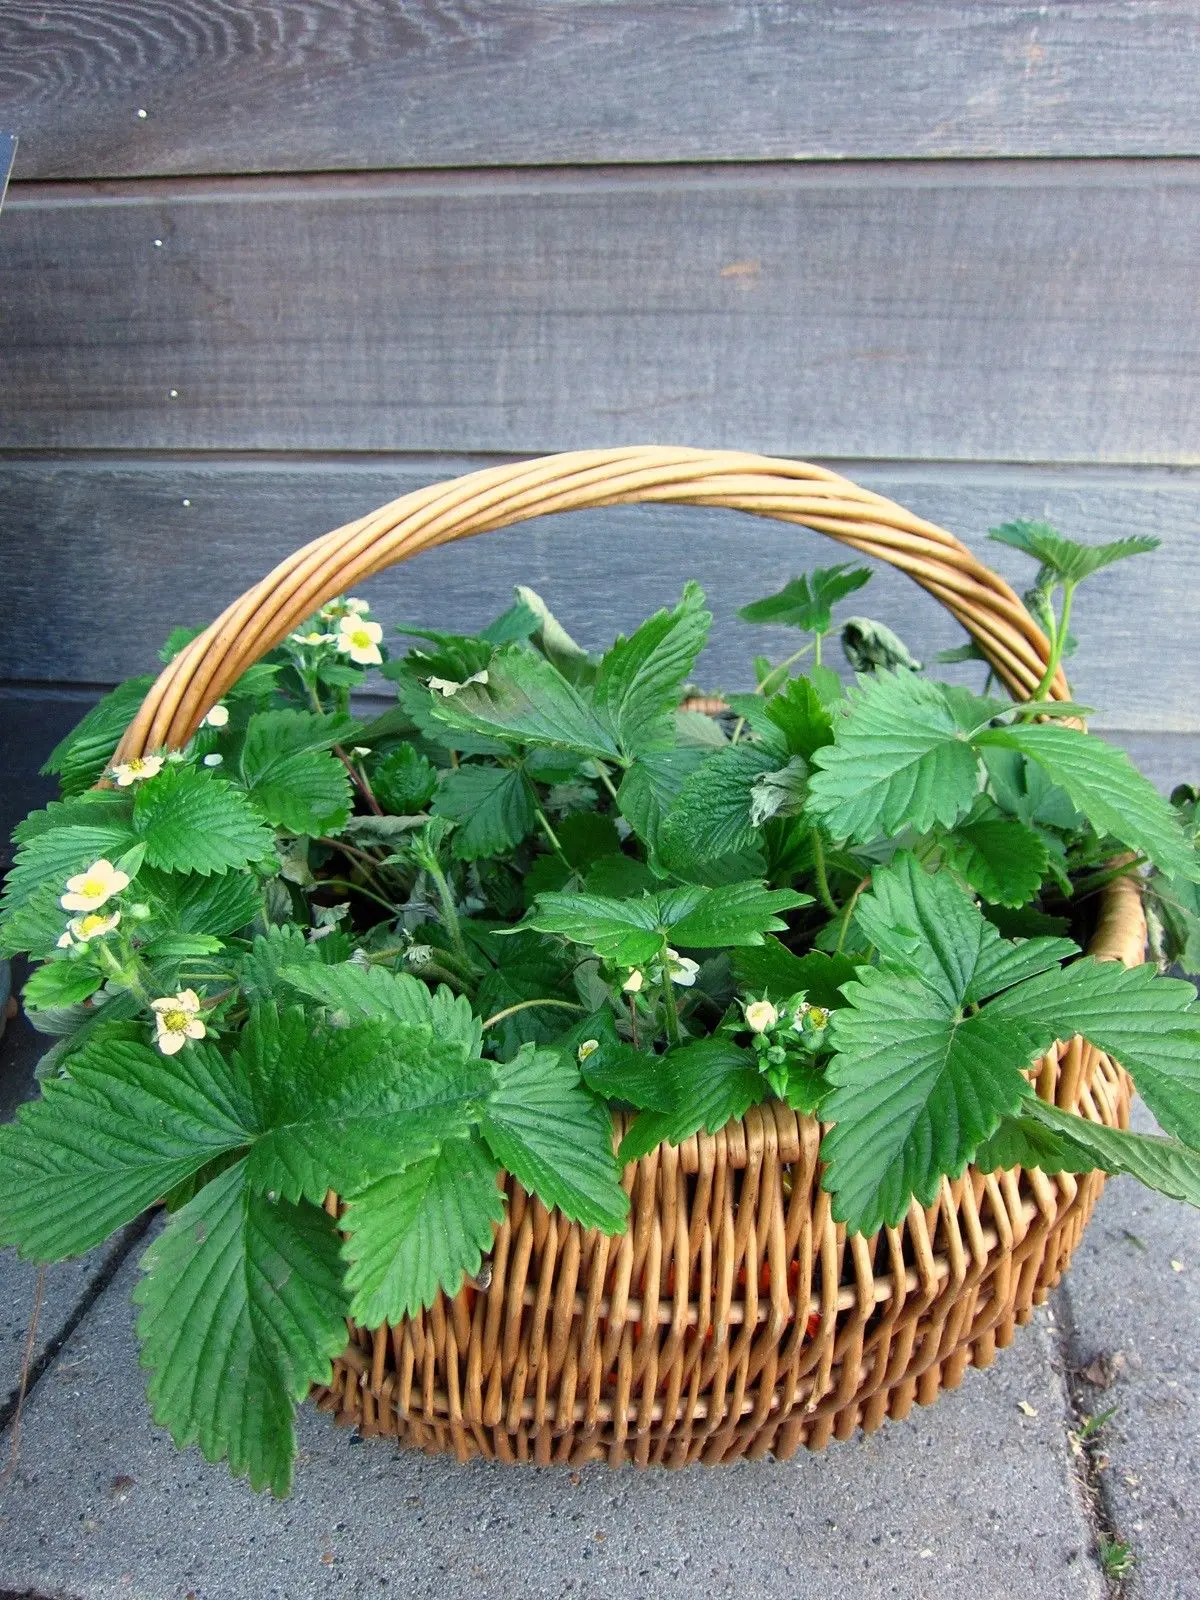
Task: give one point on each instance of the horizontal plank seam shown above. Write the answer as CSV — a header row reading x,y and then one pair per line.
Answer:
x,y
1049,171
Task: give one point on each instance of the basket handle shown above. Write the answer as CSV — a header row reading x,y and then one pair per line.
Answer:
x,y
792,491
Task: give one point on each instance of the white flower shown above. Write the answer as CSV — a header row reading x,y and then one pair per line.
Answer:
x,y
447,686
213,760
586,1049
137,770
360,641
217,717
682,969
176,1021
356,608
65,941
93,926
633,982
87,891
761,1015
313,639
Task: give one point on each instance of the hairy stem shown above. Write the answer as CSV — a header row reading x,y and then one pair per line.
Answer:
x,y
526,1005
1058,641
448,909
669,1006
822,876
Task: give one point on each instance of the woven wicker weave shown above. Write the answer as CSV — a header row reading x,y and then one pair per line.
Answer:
x,y
734,1318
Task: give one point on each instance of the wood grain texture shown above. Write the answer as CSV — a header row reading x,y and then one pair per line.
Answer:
x,y
1012,311
103,557
314,85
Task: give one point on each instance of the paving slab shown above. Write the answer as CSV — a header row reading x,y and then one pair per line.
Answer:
x,y
971,1497
1133,1300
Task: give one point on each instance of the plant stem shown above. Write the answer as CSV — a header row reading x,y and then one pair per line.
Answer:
x,y
449,914
360,888
848,913
817,637
1058,640
822,877
672,1011
605,779
633,1028
773,679
525,1005
544,824
1100,880
359,779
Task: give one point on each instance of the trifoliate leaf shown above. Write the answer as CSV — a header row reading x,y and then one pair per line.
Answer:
x,y
287,773
243,1309
711,815
640,679
1147,1023
1002,860
1103,783
773,970
807,602
193,822
555,1138
898,760
526,700
404,782
492,806
1064,557
80,758
102,1145
419,1231
711,1081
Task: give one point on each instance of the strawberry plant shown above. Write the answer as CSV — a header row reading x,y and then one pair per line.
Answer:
x,y
384,957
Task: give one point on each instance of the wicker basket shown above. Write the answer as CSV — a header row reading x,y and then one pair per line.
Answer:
x,y
734,1318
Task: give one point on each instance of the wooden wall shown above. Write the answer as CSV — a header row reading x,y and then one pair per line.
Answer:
x,y
265,265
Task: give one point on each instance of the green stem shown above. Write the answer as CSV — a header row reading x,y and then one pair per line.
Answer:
x,y
777,674
359,888
449,914
822,877
817,637
844,927
605,779
524,1005
1101,880
737,730
1058,642
672,1011
544,824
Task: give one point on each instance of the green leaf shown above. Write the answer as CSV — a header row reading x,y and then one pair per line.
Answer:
x,y
553,640
652,785
802,716
188,903
1022,1141
193,822
181,946
779,794
772,969
404,782
640,680
1002,860
899,760
555,1138
103,807
419,1231
80,758
808,602
102,1145
1064,558
61,983
284,945
734,914
1162,1164
1148,1023
615,1070
50,858
373,992
711,815
288,775
710,1081
492,806
871,647
1103,783
242,1310
525,699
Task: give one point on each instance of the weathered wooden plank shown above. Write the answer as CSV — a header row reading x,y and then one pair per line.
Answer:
x,y
1020,311
102,557
440,83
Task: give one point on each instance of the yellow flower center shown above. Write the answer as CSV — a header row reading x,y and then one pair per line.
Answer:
x,y
93,887
137,764
91,923
360,638
175,1021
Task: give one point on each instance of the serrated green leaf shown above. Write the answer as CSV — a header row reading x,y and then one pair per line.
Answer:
x,y
1002,860
1147,1023
419,1231
80,759
553,640
640,679
404,782
373,992
181,946
1021,1141
619,877
61,983
807,602
284,945
1103,783
106,807
652,785
802,717
545,1128
613,1069
898,760
734,914
288,774
187,903
242,1309
779,794
710,1081
193,822
1064,557
711,815
526,700
1165,1165
492,806
102,1145
773,970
